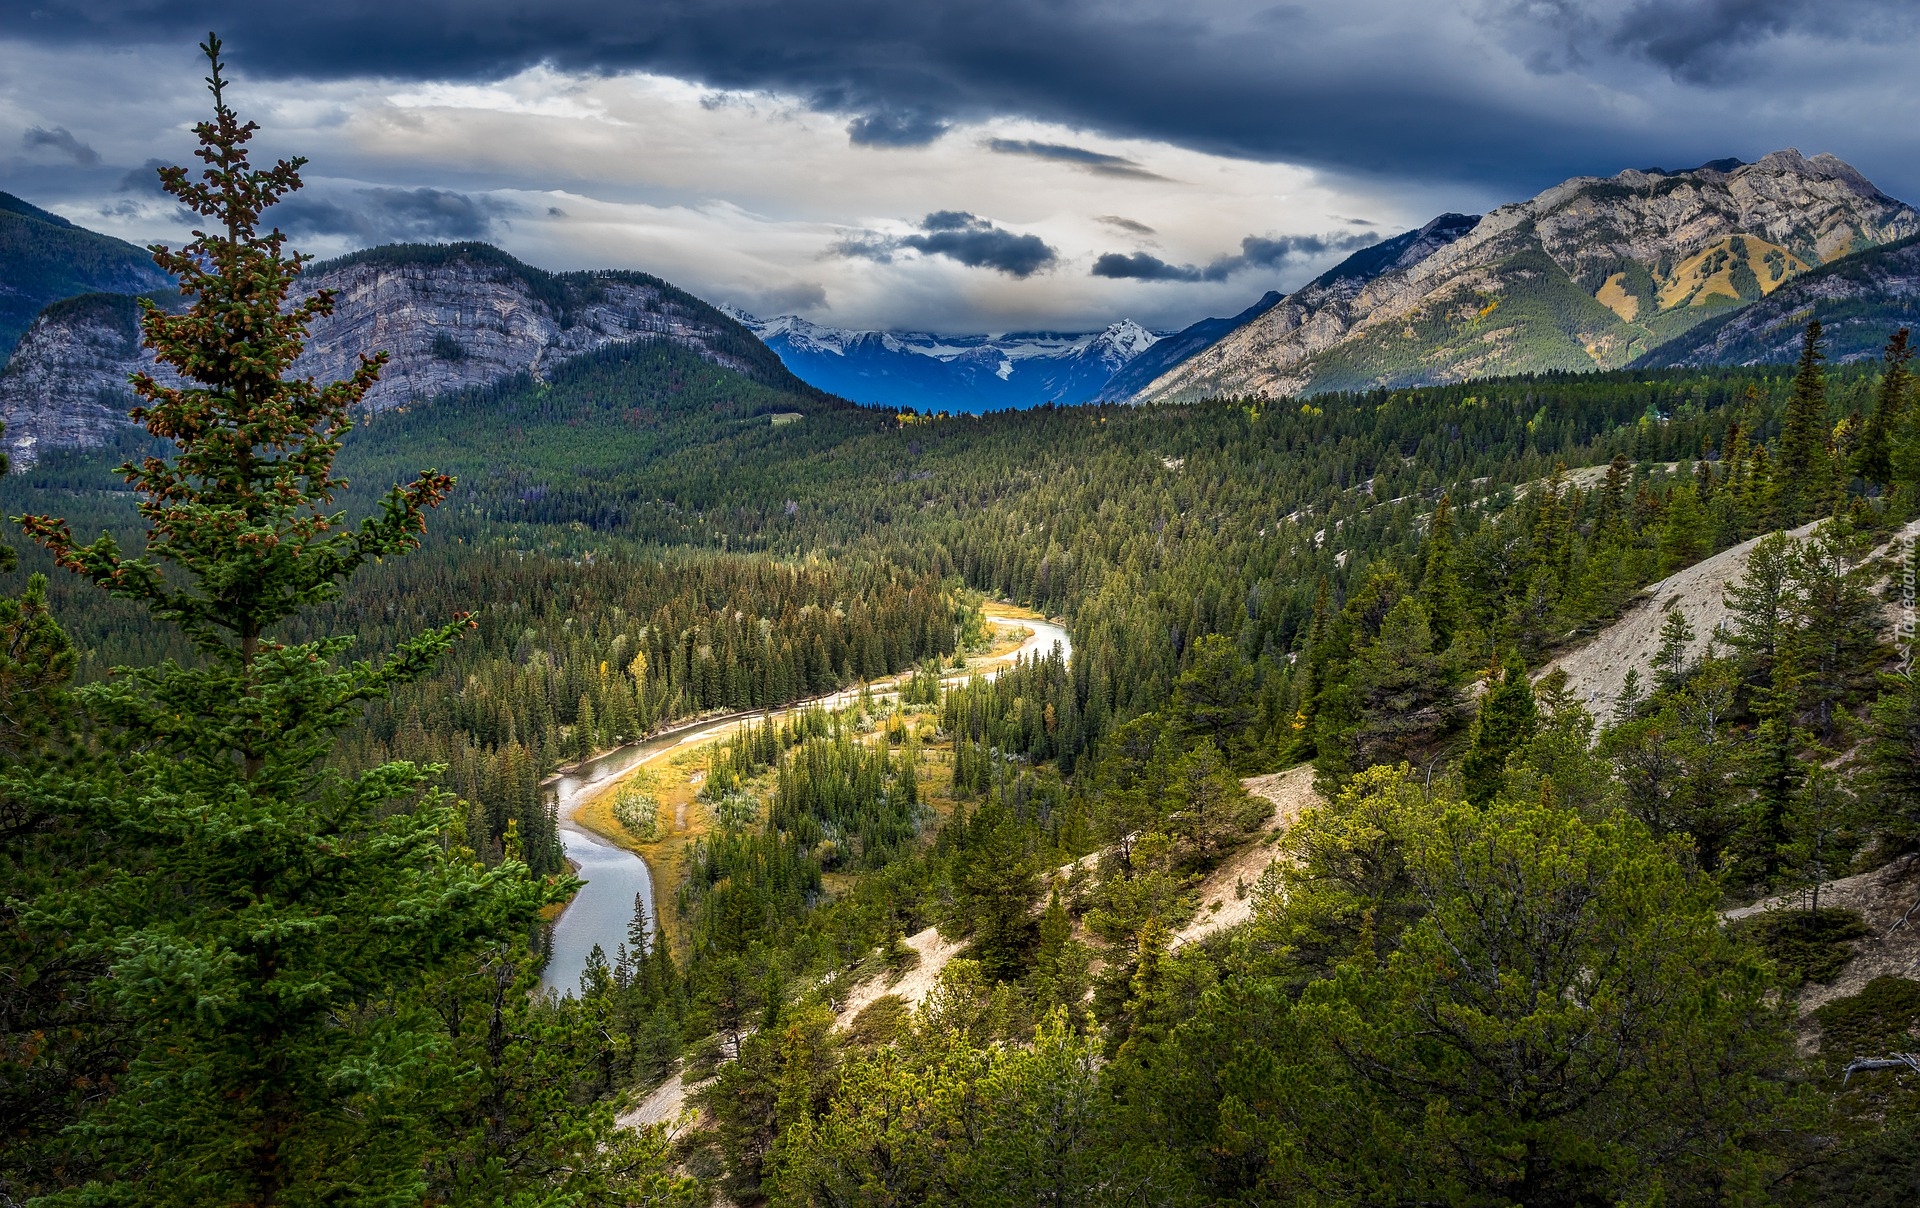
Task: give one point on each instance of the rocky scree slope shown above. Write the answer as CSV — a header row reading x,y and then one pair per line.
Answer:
x,y
451,316
1591,274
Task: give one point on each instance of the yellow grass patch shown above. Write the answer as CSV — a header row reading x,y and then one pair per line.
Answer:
x,y
1708,273
1614,296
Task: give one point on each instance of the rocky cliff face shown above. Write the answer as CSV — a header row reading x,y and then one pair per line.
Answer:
x,y
449,317
1591,274
66,383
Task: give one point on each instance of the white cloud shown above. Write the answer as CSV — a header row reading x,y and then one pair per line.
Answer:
x,y
737,195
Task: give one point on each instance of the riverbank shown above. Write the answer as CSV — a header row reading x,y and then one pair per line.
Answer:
x,y
588,791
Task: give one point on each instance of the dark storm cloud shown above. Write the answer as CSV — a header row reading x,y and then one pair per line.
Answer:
x,y
1694,41
145,179
964,238
1125,224
371,216
60,141
1372,86
1404,88
896,128
1688,36
1093,161
1255,252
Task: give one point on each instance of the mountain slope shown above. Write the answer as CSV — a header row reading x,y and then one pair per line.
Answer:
x,y
451,316
1592,273
44,258
1168,352
953,373
1313,314
1860,300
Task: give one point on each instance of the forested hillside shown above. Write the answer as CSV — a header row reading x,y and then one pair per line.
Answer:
x,y
49,258
278,868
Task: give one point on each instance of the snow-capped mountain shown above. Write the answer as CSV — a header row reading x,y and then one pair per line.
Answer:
x,y
931,372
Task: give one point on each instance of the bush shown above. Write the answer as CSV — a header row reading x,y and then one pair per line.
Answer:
x,y
639,812
1811,945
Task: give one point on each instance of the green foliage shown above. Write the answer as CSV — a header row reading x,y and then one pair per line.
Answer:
x,y
1873,457
1506,720
1805,458
1807,945
1549,1011
263,953
1247,585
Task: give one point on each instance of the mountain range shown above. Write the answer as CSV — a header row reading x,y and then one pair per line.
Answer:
x,y
1594,273
1719,264
930,372
450,317
44,258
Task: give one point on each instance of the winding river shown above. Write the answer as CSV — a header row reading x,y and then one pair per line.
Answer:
x,y
600,912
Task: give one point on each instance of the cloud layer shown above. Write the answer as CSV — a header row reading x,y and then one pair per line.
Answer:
x,y
1255,252
1473,88
1096,158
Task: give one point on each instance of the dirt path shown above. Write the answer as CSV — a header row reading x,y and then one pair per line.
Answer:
x,y
914,985
1226,896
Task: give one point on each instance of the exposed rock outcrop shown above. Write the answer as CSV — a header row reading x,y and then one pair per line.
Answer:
x,y
450,317
1861,300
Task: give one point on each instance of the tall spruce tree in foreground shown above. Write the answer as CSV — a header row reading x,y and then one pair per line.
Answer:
x,y
263,944
1805,474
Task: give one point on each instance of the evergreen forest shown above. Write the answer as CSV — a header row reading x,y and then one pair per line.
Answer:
x,y
284,687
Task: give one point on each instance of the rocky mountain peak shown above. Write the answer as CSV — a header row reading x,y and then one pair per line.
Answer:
x,y
1122,341
1588,274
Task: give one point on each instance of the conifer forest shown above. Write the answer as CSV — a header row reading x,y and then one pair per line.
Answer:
x,y
1497,792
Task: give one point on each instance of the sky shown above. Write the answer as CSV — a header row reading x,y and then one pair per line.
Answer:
x,y
956,166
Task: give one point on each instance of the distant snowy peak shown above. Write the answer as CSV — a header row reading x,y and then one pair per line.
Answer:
x,y
797,332
965,373
1121,342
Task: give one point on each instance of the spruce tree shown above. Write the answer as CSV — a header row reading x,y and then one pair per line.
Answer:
x,y
1893,748
1506,720
1440,583
1873,456
1805,464
1670,661
264,950
1684,538
57,1034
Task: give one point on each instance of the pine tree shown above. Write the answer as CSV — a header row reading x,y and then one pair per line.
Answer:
x,y
56,1029
1684,539
1060,962
1805,467
258,951
1893,747
1440,583
1761,606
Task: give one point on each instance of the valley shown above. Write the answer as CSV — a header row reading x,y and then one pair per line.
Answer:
x,y
621,751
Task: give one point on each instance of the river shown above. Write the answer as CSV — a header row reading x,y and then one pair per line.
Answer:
x,y
600,912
